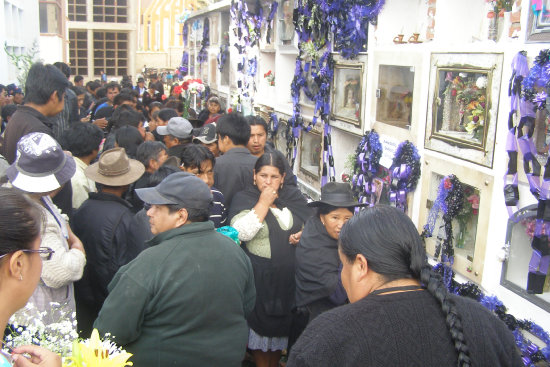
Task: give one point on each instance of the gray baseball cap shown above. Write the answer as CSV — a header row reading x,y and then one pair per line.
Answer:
x,y
180,188
178,127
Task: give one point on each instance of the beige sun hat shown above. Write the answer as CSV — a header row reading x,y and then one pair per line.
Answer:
x,y
114,168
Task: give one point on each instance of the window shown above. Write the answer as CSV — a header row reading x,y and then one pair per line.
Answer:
x,y
50,17
78,52
111,53
77,10
111,11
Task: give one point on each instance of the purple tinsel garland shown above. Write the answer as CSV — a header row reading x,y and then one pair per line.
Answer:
x,y
368,154
272,11
202,57
405,173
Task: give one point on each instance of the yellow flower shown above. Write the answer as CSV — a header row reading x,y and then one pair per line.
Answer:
x,y
470,127
95,355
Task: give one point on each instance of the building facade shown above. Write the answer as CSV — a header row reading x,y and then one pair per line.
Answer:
x,y
102,37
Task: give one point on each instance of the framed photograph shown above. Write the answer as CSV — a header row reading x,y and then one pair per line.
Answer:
x,y
463,105
311,153
515,272
538,24
347,93
470,226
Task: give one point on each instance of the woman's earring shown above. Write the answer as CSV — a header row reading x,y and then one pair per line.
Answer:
x,y
282,185
254,181
20,277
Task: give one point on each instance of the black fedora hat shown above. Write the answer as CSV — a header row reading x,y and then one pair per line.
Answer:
x,y
338,195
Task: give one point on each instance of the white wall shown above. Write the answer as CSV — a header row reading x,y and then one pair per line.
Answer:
x,y
51,49
19,28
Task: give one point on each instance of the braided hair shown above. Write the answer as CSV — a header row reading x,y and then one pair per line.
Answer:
x,y
389,241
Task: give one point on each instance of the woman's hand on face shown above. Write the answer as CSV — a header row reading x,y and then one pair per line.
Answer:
x,y
39,357
268,196
295,238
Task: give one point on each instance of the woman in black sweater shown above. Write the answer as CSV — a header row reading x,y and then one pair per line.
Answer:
x,y
400,313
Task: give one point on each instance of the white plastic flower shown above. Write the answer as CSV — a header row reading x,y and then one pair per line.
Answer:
x,y
481,82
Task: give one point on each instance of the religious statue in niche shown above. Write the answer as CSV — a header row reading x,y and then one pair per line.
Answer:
x,y
462,105
286,29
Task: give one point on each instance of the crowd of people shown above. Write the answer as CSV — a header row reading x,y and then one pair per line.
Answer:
x,y
118,208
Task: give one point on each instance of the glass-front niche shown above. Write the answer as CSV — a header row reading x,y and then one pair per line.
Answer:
x,y
523,260
395,95
465,224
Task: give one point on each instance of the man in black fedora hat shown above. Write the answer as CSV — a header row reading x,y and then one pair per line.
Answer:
x,y
103,224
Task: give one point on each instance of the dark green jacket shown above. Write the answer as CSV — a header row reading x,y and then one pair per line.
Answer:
x,y
183,301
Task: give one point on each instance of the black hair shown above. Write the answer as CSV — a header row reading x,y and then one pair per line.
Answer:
x,y
257,121
78,90
390,242
78,78
122,97
324,209
2,87
174,104
65,69
194,154
149,150
7,111
274,158
42,81
20,221
154,104
129,138
123,116
100,93
160,174
234,126
81,139
193,214
93,85
112,85
166,114
130,91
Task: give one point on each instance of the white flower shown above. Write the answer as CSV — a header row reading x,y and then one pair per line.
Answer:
x,y
481,82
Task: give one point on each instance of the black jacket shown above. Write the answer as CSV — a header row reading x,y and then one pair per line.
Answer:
x,y
102,223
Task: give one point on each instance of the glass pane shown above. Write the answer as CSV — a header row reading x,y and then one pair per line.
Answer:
x,y
521,257
395,94
464,225
461,107
310,159
286,25
49,15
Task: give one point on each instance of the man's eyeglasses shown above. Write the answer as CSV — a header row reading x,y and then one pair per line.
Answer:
x,y
44,252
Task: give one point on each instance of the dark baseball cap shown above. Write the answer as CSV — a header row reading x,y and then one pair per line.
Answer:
x,y
207,134
180,188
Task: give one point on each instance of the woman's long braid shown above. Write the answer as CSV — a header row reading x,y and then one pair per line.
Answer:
x,y
435,286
